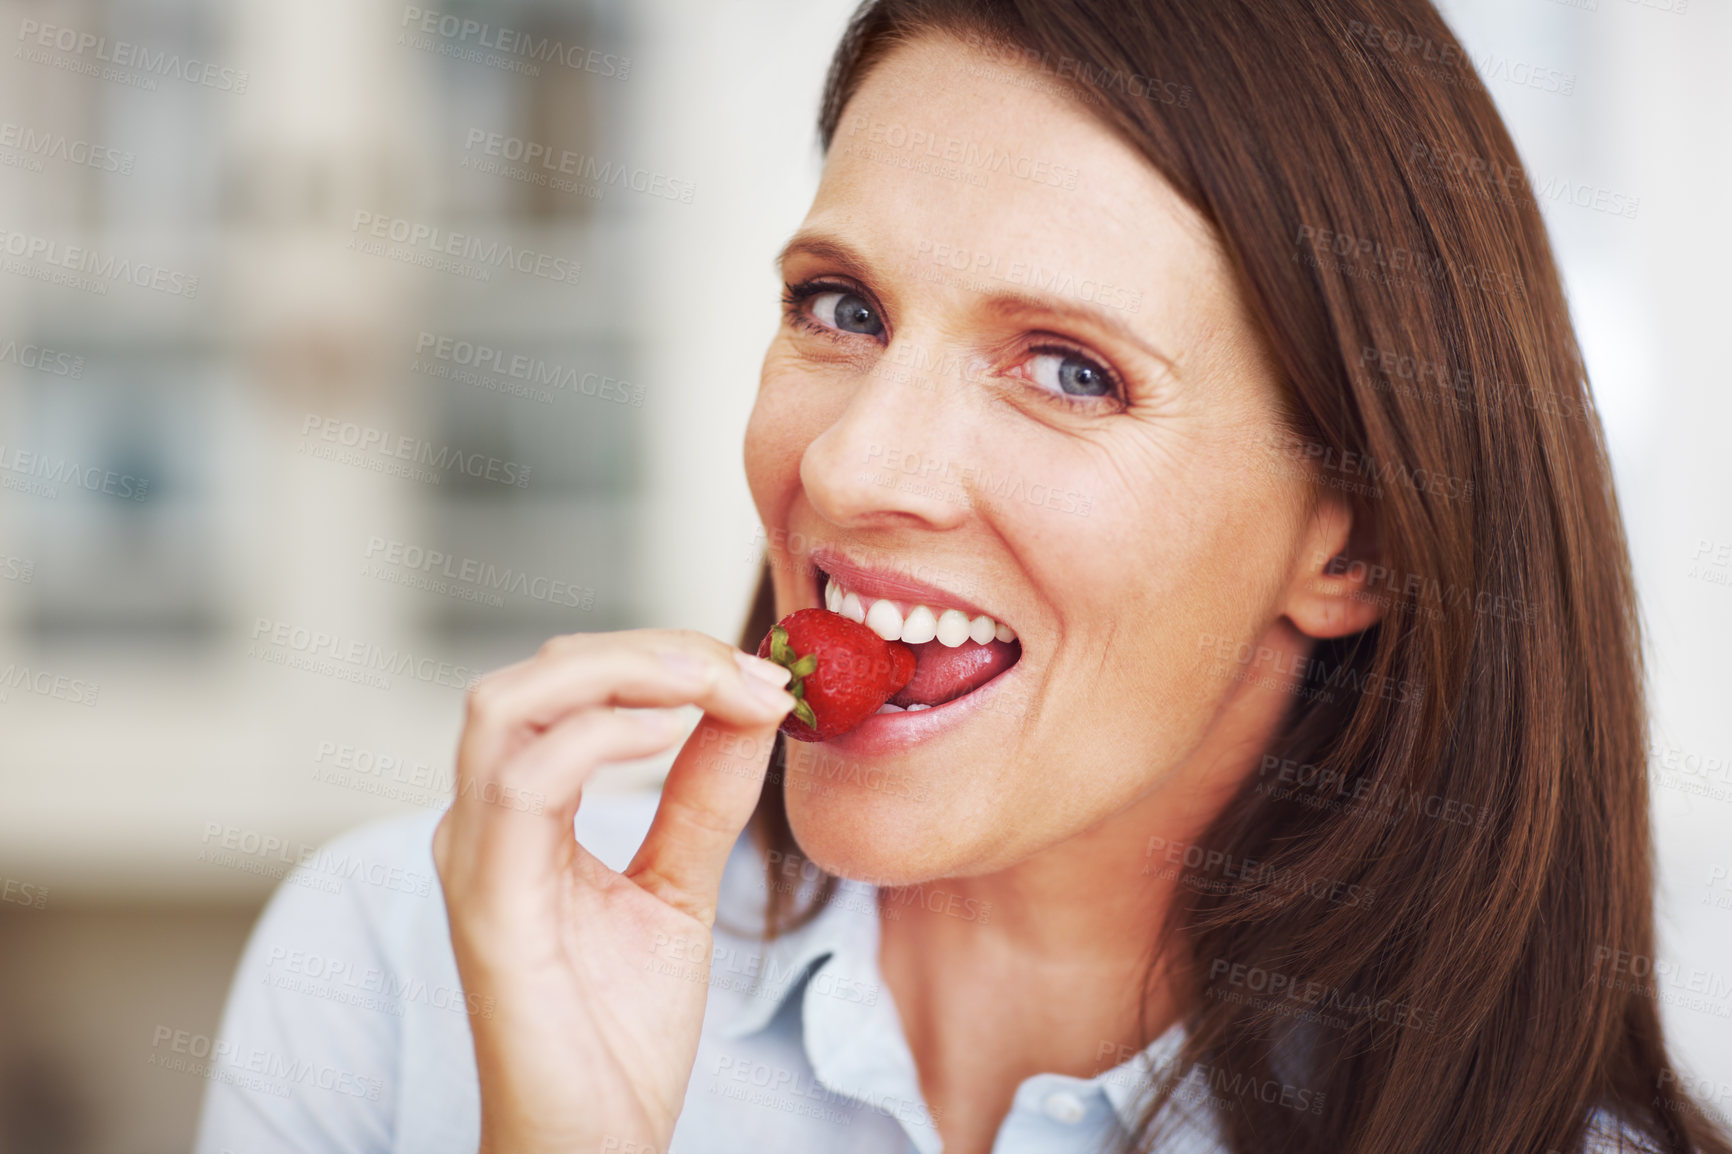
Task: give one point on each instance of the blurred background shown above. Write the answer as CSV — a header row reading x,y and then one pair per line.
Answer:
x,y
348,348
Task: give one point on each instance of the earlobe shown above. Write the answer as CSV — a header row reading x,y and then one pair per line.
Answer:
x,y
1330,595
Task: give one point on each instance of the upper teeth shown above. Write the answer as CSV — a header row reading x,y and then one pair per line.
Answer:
x,y
950,626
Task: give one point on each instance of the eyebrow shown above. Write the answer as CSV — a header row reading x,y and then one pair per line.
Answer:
x,y
1008,303
824,248
1011,303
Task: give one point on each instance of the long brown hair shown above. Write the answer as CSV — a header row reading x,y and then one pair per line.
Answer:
x,y
1370,200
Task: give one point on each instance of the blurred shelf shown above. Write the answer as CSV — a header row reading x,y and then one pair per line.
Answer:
x,y
135,800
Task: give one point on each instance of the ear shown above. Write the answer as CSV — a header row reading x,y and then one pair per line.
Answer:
x,y
1331,595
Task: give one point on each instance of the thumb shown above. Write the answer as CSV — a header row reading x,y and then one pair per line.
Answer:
x,y
706,801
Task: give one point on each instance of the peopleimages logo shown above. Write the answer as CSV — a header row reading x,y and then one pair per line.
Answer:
x,y
481,576
253,1068
77,259
124,54
45,474
350,658
41,358
556,162
400,454
429,245
57,146
980,271
43,683
535,371
519,47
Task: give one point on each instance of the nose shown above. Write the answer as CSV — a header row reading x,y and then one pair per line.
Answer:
x,y
892,457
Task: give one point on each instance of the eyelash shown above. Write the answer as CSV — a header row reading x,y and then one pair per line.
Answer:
x,y
1113,400
795,295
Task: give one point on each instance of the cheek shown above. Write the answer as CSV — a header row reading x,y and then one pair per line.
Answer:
x,y
1178,549
776,436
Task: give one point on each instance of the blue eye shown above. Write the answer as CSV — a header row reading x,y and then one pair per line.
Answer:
x,y
846,313
1069,374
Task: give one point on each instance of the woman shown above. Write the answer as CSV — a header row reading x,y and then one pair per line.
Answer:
x,y
1295,798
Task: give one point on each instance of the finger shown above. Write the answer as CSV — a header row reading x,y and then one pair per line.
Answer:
x,y
639,667
511,825
644,668
706,801
558,764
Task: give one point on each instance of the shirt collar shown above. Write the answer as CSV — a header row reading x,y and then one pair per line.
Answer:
x,y
847,928
777,969
1127,1084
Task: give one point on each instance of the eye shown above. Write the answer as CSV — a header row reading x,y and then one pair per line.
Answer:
x,y
1069,374
846,312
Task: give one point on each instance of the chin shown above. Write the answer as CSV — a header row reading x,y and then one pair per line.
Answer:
x,y
884,834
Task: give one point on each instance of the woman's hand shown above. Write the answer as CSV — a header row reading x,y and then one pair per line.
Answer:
x,y
595,981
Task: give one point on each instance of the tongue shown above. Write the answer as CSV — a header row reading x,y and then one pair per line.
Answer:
x,y
943,674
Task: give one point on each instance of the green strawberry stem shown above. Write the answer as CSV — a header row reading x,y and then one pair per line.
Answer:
x,y
800,667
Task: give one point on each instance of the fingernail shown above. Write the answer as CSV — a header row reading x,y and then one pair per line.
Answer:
x,y
684,665
766,671
771,697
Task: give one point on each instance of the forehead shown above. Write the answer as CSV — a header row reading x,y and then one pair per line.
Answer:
x,y
955,167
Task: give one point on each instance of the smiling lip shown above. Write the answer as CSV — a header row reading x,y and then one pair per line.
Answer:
x,y
877,583
889,732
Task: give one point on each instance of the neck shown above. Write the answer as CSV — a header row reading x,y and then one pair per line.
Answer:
x,y
1060,943
1041,967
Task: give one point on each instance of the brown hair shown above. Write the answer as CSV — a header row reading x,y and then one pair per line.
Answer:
x,y
1341,149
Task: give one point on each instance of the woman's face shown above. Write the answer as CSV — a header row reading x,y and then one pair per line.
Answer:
x,y
1015,377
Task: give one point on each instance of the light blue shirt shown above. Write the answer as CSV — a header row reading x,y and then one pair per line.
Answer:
x,y
347,1029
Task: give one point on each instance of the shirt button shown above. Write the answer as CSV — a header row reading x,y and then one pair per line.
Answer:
x,y
1063,1106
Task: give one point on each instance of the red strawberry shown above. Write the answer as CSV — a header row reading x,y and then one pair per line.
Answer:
x,y
842,671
